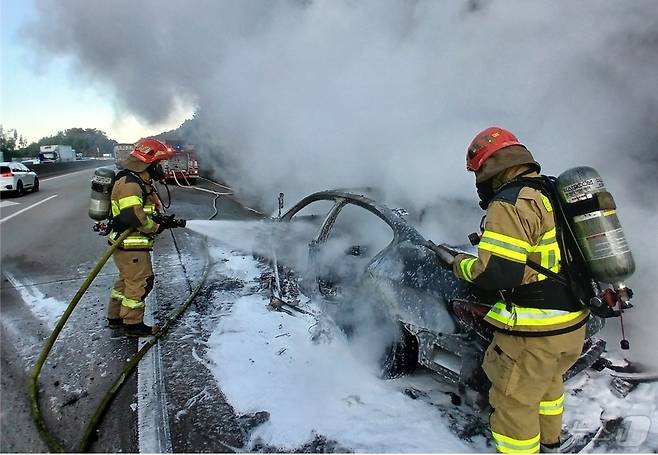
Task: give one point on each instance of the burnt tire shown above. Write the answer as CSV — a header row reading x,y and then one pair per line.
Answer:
x,y
401,357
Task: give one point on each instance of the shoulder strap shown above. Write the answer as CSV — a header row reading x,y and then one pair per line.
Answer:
x,y
509,193
575,273
139,181
541,183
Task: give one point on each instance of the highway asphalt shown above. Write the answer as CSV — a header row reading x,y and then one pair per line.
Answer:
x,y
47,248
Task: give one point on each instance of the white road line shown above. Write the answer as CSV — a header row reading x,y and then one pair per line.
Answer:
x,y
152,419
8,203
27,208
65,175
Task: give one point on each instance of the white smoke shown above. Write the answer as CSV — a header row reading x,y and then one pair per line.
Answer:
x,y
298,96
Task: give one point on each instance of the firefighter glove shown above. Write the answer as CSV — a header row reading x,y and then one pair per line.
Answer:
x,y
168,222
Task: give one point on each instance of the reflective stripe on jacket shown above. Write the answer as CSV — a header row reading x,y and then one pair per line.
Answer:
x,y
130,210
519,226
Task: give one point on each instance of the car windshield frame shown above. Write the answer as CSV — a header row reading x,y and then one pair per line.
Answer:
x,y
401,228
402,231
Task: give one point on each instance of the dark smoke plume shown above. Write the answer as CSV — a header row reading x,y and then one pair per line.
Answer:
x,y
297,96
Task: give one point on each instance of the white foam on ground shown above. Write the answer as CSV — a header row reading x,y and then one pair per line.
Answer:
x,y
48,309
589,400
265,360
235,265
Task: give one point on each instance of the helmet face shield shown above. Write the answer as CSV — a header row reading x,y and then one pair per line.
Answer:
x,y
473,160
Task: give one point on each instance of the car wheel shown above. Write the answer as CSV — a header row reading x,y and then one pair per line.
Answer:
x,y
35,188
401,357
19,189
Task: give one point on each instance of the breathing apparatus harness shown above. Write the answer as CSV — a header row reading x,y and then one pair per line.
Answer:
x,y
574,287
157,174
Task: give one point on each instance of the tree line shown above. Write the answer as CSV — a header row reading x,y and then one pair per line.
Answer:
x,y
88,141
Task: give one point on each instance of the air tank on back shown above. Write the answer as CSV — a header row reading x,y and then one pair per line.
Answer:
x,y
592,213
101,191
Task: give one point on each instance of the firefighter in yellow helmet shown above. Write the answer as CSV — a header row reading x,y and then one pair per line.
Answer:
x,y
540,328
135,204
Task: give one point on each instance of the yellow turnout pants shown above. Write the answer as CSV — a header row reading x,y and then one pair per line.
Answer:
x,y
131,288
527,394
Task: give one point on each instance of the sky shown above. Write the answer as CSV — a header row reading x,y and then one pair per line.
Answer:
x,y
40,97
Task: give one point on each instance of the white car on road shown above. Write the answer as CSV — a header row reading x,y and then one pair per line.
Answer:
x,y
16,178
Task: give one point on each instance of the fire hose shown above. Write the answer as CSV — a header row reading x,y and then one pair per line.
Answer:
x,y
33,389
132,363
205,190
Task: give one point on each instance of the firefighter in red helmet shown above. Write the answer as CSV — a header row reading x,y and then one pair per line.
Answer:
x,y
540,329
136,205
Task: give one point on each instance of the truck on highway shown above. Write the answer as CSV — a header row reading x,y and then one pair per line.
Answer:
x,y
56,153
121,152
183,166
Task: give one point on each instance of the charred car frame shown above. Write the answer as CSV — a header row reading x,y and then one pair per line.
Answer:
x,y
439,318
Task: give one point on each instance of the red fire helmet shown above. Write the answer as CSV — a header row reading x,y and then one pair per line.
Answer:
x,y
485,144
151,150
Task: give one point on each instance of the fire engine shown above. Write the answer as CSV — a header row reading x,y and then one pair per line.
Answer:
x,y
183,165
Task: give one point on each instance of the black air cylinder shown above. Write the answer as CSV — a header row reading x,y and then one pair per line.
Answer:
x,y
593,216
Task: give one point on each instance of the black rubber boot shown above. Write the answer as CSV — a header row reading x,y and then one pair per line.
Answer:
x,y
115,323
550,448
140,330
567,441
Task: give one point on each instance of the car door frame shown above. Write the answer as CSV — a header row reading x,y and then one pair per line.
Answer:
x,y
401,230
27,174
18,174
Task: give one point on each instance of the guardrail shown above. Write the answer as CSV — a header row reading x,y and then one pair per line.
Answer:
x,y
51,169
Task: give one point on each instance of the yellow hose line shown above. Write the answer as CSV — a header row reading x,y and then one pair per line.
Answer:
x,y
33,386
33,389
133,362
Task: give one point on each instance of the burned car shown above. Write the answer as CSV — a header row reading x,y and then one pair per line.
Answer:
x,y
364,254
